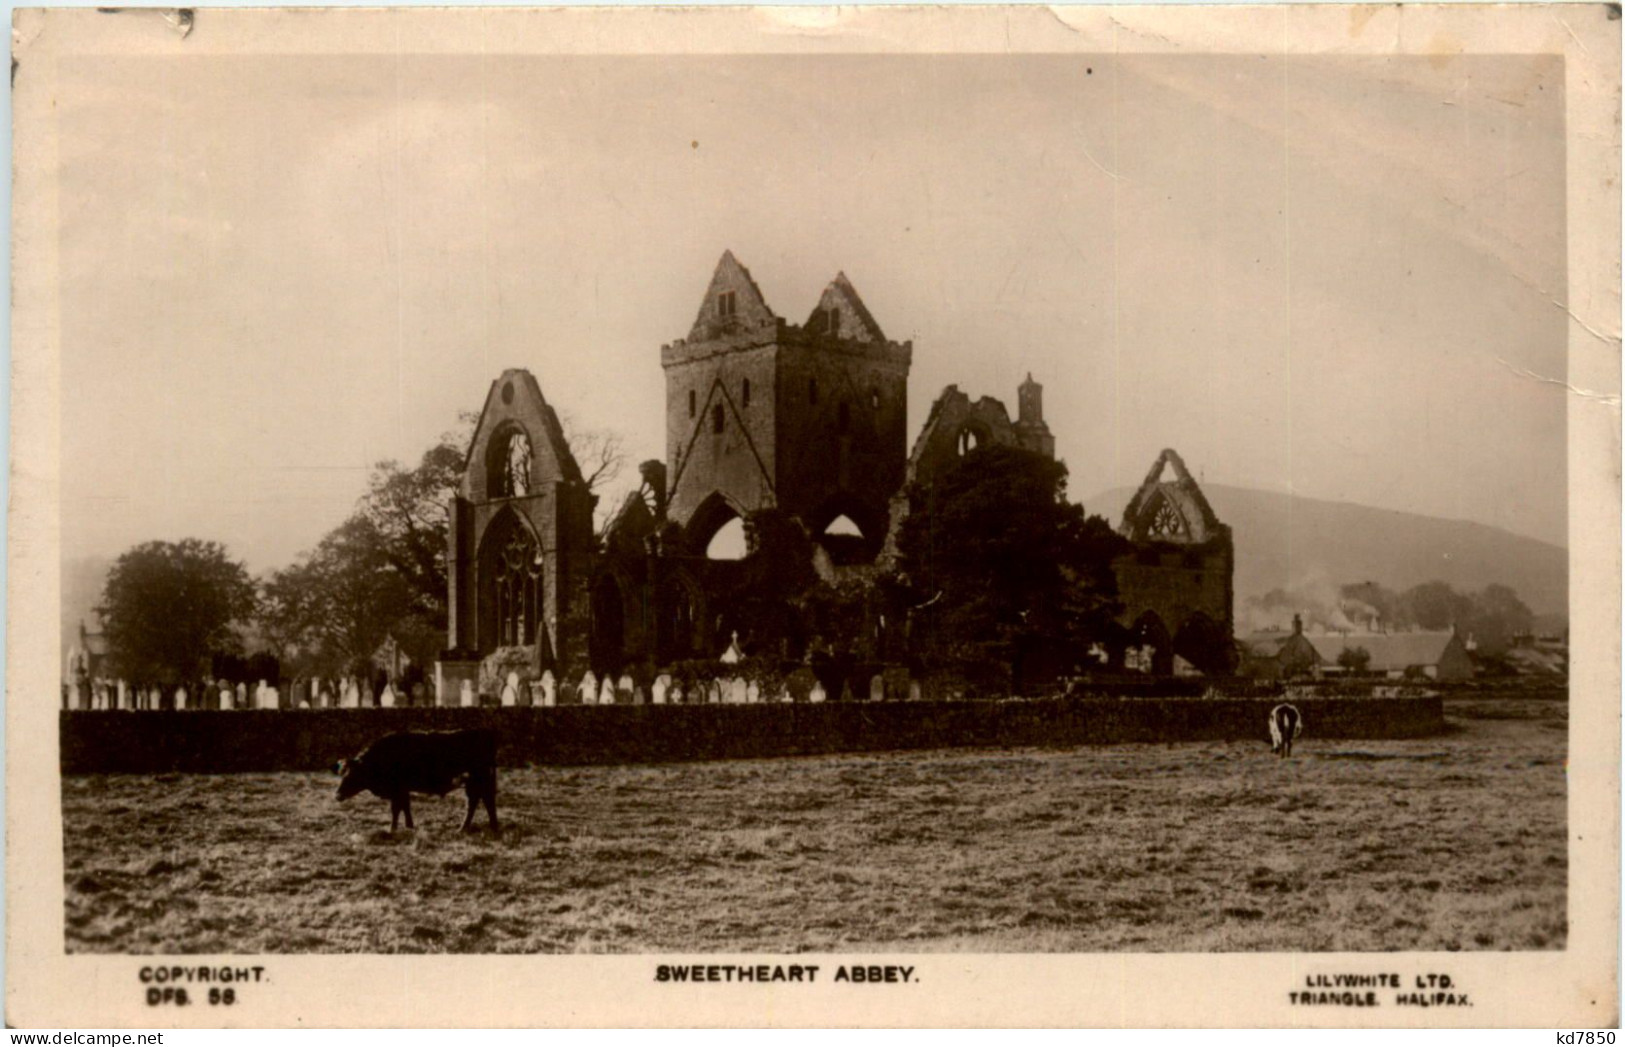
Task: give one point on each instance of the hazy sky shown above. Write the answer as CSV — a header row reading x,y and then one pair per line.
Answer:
x,y
1320,275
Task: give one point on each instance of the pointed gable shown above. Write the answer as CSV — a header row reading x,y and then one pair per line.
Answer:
x,y
732,303
515,406
840,313
1169,510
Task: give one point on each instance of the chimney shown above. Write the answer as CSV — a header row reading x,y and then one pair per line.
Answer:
x,y
1297,625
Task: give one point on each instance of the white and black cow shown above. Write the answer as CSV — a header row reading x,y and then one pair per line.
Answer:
x,y
1286,723
398,765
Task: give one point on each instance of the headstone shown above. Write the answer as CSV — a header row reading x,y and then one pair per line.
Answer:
x,y
242,697
877,689
386,699
180,698
123,695
661,689
817,693
224,697
510,689
753,693
623,690
589,688
737,691
262,695
914,690
606,692
638,695
352,695
550,689
465,694
800,684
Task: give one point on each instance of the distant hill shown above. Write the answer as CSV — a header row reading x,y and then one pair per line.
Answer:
x,y
1284,541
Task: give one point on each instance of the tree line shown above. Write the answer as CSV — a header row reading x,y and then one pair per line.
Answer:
x,y
177,612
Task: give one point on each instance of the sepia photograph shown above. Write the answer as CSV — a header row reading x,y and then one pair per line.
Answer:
x,y
816,497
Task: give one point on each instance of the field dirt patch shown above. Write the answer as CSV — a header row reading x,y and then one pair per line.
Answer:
x,y
1453,842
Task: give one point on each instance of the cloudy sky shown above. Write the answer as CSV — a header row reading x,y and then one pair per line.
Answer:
x,y
1332,276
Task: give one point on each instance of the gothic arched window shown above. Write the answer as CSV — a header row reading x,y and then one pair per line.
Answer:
x,y
507,464
518,590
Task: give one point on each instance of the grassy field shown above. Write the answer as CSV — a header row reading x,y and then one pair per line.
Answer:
x,y
1453,842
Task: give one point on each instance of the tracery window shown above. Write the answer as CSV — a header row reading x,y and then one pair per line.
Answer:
x,y
1166,522
519,590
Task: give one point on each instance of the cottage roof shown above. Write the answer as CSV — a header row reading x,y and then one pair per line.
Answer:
x,y
1390,652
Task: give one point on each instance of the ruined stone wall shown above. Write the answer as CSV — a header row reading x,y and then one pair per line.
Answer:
x,y
1175,584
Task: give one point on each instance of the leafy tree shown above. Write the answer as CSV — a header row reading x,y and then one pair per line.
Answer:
x,y
1435,605
336,606
758,595
409,508
1354,659
169,607
1004,564
1497,616
1389,605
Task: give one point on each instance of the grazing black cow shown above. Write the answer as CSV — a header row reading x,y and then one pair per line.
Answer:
x,y
1285,726
398,765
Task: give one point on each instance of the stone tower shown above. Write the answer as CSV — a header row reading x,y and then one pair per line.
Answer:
x,y
760,412
1031,429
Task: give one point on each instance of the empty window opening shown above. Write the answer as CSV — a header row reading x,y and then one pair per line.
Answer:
x,y
726,305
844,542
691,403
716,419
744,393
812,390
728,543
843,525
968,441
